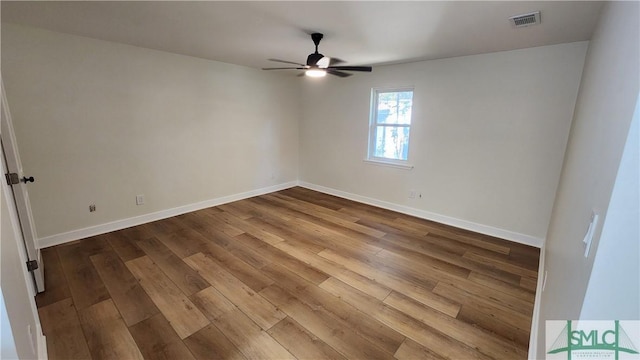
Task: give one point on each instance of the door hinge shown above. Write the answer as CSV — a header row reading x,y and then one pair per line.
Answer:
x,y
32,265
12,178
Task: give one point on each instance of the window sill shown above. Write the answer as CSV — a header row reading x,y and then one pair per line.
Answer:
x,y
389,164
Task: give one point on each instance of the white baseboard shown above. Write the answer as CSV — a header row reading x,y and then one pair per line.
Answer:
x,y
159,215
535,318
443,219
42,344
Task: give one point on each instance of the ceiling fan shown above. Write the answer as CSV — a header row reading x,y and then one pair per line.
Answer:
x,y
319,65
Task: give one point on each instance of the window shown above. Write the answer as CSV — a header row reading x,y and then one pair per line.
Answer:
x,y
390,125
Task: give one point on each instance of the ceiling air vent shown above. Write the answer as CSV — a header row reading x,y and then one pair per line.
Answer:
x,y
525,19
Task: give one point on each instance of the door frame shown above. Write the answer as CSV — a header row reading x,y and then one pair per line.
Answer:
x,y
20,192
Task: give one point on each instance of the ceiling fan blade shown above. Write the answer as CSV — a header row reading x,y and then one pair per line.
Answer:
x,y
287,62
285,68
338,73
335,61
351,68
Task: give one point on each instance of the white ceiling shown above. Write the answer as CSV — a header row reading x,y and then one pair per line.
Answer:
x,y
362,33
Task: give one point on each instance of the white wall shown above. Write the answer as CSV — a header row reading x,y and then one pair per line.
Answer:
x,y
487,141
100,122
616,268
603,114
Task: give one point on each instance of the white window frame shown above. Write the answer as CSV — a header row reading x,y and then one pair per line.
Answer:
x,y
373,123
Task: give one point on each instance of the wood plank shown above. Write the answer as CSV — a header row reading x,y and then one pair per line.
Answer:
x,y
285,230
474,315
438,269
344,340
129,297
238,209
211,343
84,282
233,246
215,223
184,242
495,284
330,216
486,343
410,350
324,200
182,314
333,238
489,307
400,284
54,279
529,283
426,335
301,342
275,255
346,315
519,257
492,262
527,256
61,326
193,220
308,207
338,271
254,305
164,227
123,242
469,238
271,211
106,333
468,291
180,273
248,228
427,244
418,256
246,273
134,233
156,339
212,303
381,223
252,341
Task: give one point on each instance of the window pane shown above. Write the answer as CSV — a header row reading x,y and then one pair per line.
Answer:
x,y
392,142
394,107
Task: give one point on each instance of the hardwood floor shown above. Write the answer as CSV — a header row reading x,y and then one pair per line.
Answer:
x,y
292,274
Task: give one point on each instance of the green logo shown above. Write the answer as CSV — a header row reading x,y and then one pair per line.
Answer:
x,y
593,340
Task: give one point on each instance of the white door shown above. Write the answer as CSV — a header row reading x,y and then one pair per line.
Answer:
x,y
19,184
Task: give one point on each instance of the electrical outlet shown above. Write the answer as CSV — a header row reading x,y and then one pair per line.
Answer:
x,y
412,194
92,208
139,199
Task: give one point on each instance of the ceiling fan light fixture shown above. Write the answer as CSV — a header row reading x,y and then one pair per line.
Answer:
x,y
319,65
315,73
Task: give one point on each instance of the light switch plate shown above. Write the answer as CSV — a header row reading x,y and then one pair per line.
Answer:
x,y
588,237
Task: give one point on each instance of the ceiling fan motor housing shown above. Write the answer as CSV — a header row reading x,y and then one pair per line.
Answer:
x,y
312,59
